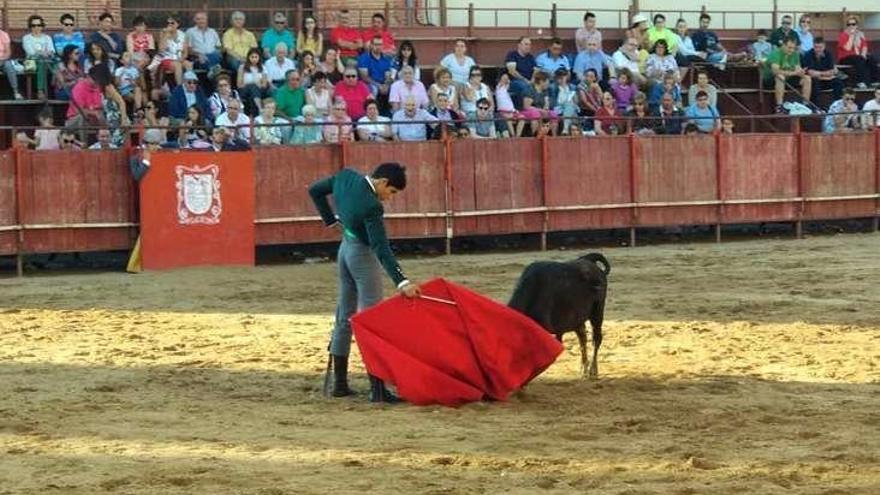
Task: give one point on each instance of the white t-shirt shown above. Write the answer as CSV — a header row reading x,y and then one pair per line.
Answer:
x,y
174,46
379,127
872,106
252,76
460,72
243,124
471,105
276,71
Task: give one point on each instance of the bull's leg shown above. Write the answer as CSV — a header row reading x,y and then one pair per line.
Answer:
x,y
596,322
582,342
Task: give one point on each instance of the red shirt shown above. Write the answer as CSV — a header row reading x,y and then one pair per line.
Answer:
x,y
87,95
388,46
354,96
604,118
340,33
842,52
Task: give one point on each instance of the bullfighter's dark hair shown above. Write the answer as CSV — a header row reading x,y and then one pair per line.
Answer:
x,y
394,172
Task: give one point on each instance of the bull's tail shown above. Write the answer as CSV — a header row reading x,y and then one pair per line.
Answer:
x,y
599,259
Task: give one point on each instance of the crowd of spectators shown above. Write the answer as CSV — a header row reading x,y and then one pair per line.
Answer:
x,y
293,86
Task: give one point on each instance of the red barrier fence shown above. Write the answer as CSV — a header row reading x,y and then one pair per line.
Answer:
x,y
81,201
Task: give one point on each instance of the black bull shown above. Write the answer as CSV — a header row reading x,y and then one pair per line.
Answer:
x,y
561,297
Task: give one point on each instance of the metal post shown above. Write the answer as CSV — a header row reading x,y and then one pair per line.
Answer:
x,y
553,20
799,142
873,120
545,224
444,21
719,186
19,208
633,189
470,26
450,222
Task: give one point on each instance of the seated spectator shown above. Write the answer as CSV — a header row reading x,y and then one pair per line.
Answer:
x,y
218,101
95,55
268,128
552,60
331,66
278,65
474,91
842,114
761,48
128,77
659,31
310,39
225,139
451,120
308,68
46,137
193,131
702,84
822,70
277,34
504,104
375,69
853,49
140,42
592,58
347,39
872,111
372,126
189,95
306,130
111,42
341,128
8,64
690,129
458,63
67,73
536,104
627,57
407,86
590,94
687,54
379,28
660,63
151,116
704,116
442,84
669,86
727,126
545,128
253,82
623,89
173,53
234,118
707,41
640,118
482,125
563,99
39,50
237,41
784,32
320,95
204,45
804,33
406,56
68,35
409,123
290,98
607,120
103,141
520,66
671,118
587,33
782,67
68,141
354,92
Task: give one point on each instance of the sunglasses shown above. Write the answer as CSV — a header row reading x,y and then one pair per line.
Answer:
x,y
786,24
476,74
484,108
341,109
68,24
192,82
68,141
851,24
805,22
350,76
38,25
281,23
849,99
171,22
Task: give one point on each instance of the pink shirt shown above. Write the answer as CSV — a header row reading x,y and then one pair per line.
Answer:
x,y
354,96
5,44
399,92
331,132
87,95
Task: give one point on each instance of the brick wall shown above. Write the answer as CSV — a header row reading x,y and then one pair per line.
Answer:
x,y
16,12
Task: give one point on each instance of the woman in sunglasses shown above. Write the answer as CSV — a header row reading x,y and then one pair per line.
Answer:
x,y
852,49
40,49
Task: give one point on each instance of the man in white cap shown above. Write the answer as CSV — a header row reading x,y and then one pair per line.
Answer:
x,y
277,33
638,28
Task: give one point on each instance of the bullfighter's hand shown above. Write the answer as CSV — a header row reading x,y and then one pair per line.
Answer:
x,y
411,290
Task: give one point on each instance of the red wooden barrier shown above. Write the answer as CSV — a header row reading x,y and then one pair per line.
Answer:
x,y
8,220
419,211
676,169
759,178
283,205
76,201
489,176
843,167
588,176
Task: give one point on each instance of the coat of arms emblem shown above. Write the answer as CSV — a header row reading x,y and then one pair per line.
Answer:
x,y
198,194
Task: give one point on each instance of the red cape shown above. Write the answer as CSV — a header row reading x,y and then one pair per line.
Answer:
x,y
450,354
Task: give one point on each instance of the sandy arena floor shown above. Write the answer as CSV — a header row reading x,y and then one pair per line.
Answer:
x,y
747,368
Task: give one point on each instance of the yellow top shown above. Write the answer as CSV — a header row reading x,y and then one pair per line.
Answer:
x,y
238,44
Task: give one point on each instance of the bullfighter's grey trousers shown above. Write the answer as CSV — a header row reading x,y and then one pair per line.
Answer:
x,y
360,286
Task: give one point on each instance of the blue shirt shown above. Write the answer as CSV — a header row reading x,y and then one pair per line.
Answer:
x,y
272,37
704,119
705,41
657,92
525,64
96,37
376,67
586,60
806,39
76,39
547,64
411,132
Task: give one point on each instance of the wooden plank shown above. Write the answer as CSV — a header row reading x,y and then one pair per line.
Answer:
x,y
769,173
839,165
8,238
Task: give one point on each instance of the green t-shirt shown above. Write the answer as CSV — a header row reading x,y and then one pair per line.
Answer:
x,y
290,102
785,62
